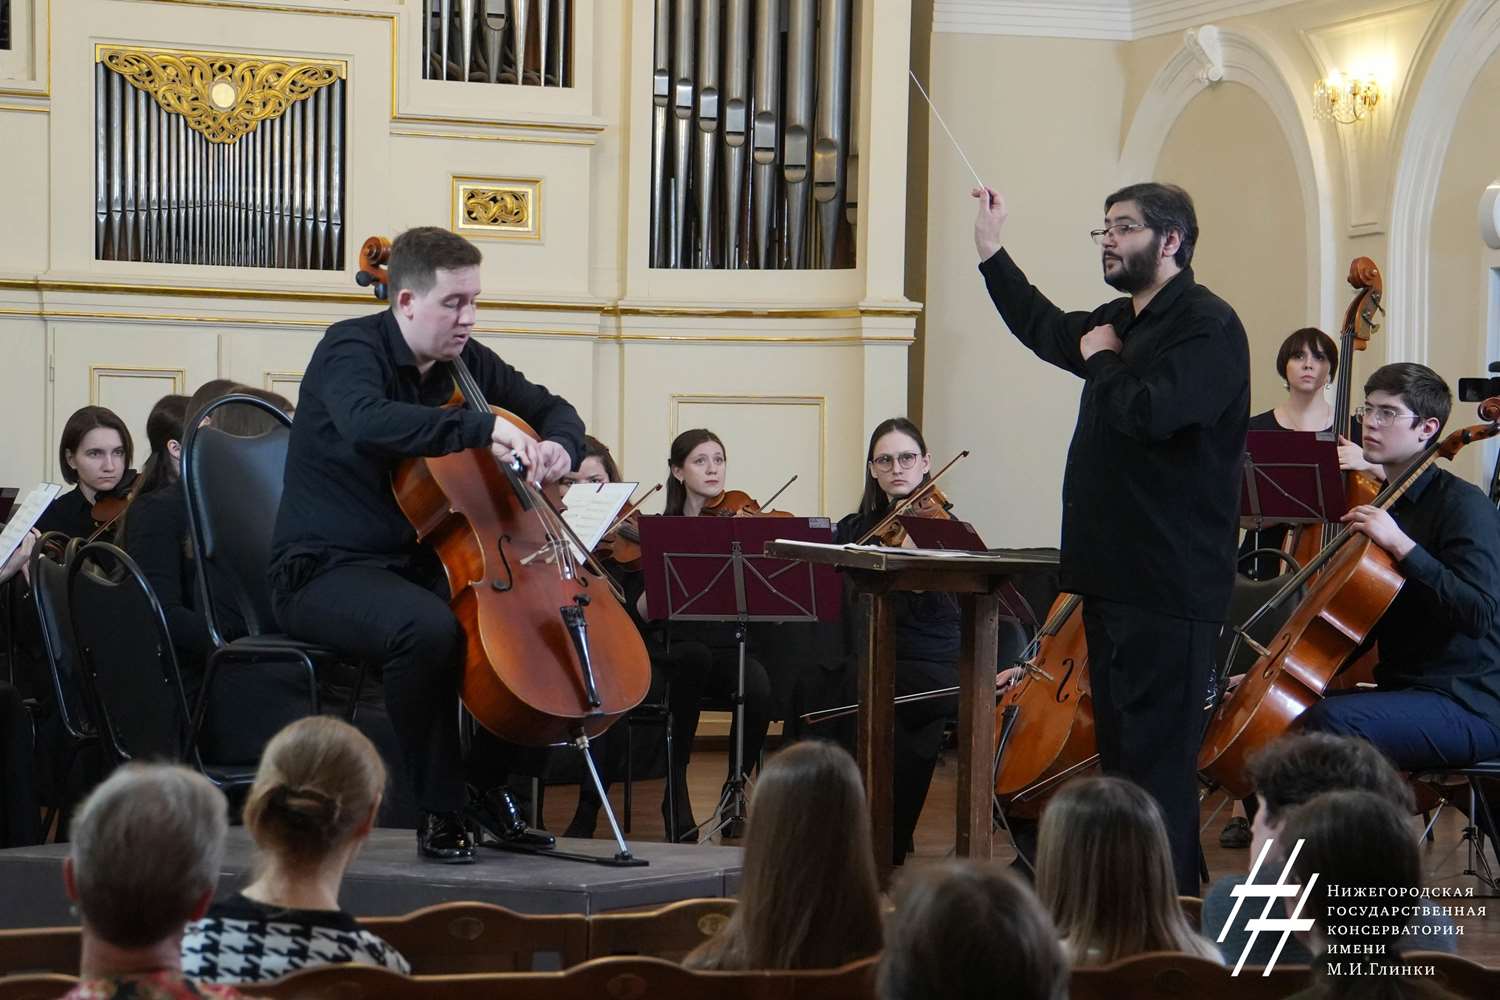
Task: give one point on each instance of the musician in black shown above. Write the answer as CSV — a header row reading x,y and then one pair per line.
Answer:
x,y
347,571
925,628
1151,488
1438,702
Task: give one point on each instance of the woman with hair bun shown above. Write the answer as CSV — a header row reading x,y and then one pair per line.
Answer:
x,y
312,807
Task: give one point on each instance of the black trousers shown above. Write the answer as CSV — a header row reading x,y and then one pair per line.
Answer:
x,y
919,737
399,623
1149,674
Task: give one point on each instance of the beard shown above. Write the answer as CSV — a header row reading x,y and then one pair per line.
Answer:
x,y
1137,271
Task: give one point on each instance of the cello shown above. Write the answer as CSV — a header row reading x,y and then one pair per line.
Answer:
x,y
1351,583
551,656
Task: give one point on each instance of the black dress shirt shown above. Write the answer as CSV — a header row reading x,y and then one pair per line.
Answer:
x,y
362,408
69,513
1152,483
1442,633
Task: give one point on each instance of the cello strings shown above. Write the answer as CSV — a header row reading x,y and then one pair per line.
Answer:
x,y
938,115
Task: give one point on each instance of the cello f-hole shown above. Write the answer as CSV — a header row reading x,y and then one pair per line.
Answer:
x,y
510,577
1062,697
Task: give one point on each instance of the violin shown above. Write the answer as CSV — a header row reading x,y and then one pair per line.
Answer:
x,y
738,503
933,504
621,545
110,507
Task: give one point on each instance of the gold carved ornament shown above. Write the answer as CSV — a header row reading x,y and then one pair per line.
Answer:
x,y
497,207
223,98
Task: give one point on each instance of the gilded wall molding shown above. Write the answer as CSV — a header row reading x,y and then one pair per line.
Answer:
x,y
223,96
497,208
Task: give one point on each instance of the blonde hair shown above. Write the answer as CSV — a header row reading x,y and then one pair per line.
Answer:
x,y
1104,873
319,779
808,897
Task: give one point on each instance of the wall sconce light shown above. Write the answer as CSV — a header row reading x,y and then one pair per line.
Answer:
x,y
1345,99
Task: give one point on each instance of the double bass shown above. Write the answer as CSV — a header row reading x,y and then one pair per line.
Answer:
x,y
1351,583
1361,322
551,655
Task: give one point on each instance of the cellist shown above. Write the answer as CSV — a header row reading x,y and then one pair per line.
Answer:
x,y
1438,701
346,569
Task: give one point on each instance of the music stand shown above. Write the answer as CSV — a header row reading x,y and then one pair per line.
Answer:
x,y
1291,477
942,533
711,569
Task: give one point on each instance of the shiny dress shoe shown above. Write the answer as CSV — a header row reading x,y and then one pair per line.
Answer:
x,y
497,814
445,837
1236,833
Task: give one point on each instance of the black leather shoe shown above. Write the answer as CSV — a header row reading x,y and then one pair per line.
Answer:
x,y
445,837
1236,833
498,815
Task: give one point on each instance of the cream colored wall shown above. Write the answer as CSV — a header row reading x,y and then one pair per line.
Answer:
x,y
1252,248
1465,278
791,367
1285,203
983,391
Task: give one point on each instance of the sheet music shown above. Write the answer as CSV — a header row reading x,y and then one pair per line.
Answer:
x,y
592,507
26,517
941,553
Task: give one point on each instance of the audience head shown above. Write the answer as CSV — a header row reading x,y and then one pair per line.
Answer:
x,y
95,449
966,931
808,898
1300,766
315,795
1104,873
696,462
1358,840
595,464
146,850
241,420
208,392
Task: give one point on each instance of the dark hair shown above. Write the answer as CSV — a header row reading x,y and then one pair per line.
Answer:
x,y
243,420
164,425
682,446
874,501
1301,766
1419,387
808,898
1358,840
962,928
1313,339
82,421
1165,208
594,448
207,393
418,254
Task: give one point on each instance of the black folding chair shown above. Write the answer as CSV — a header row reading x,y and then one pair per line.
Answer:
x,y
129,666
76,729
234,486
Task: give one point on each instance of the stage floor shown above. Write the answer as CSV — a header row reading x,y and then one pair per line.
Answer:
x,y
388,878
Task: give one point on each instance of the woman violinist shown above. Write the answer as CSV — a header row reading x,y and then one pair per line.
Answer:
x,y
94,455
680,668
926,626
697,465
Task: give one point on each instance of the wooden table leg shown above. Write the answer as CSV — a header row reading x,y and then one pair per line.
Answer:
x,y
976,724
877,723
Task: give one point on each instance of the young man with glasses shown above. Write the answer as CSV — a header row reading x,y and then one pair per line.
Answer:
x,y
1151,487
1438,702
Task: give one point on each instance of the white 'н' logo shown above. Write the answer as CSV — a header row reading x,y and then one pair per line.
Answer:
x,y
1271,893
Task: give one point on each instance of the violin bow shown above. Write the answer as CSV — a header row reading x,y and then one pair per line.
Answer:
x,y
630,508
778,493
917,494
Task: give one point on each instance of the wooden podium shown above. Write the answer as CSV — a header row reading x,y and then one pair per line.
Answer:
x,y
977,578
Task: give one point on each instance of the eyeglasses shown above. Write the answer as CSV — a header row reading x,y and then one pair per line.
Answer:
x,y
1383,416
884,462
1116,231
